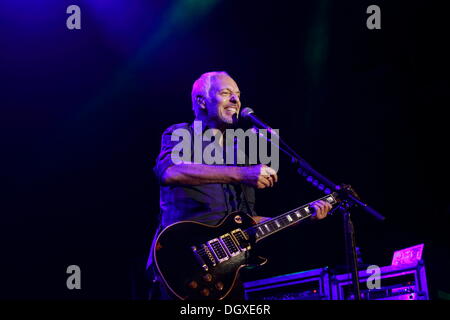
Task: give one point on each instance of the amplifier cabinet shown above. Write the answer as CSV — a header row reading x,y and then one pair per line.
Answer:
x,y
401,282
306,285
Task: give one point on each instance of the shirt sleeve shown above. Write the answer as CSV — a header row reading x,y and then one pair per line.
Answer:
x,y
164,159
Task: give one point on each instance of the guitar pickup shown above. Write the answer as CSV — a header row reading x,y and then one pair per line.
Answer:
x,y
230,245
217,249
242,239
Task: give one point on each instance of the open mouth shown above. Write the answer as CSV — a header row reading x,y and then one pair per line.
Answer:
x,y
231,109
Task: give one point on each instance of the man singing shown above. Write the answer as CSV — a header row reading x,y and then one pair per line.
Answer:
x,y
203,192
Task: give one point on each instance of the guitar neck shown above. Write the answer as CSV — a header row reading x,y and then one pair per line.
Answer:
x,y
267,228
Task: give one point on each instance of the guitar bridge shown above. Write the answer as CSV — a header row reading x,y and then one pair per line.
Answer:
x,y
199,258
205,253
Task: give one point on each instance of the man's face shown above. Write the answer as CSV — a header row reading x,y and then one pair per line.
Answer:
x,y
224,100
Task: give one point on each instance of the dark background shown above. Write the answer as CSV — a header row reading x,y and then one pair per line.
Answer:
x,y
82,112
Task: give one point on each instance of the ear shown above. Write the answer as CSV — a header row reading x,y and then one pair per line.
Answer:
x,y
201,102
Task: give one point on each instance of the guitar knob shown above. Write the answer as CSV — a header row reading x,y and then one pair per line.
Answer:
x,y
219,286
207,277
193,284
204,292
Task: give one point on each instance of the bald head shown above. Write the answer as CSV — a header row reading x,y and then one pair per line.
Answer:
x,y
216,99
201,87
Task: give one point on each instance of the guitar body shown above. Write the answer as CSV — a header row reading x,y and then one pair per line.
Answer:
x,y
190,275
197,261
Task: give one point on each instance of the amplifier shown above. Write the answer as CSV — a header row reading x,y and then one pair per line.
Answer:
x,y
396,282
306,285
405,279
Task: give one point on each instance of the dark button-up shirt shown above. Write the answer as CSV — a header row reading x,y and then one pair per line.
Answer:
x,y
207,203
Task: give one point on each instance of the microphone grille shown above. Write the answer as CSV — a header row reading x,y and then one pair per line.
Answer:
x,y
246,112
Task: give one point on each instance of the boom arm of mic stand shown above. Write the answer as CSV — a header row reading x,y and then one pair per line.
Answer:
x,y
366,208
318,179
349,197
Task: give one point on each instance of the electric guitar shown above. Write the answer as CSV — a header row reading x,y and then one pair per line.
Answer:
x,y
201,262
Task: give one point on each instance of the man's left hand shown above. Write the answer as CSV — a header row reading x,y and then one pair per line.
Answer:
x,y
321,209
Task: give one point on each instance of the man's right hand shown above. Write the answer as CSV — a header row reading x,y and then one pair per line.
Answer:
x,y
259,176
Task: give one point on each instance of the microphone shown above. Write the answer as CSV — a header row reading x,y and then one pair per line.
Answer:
x,y
249,114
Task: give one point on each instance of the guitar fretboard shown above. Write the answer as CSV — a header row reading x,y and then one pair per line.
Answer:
x,y
264,229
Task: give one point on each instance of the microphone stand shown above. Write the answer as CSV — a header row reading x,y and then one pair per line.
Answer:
x,y
346,194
